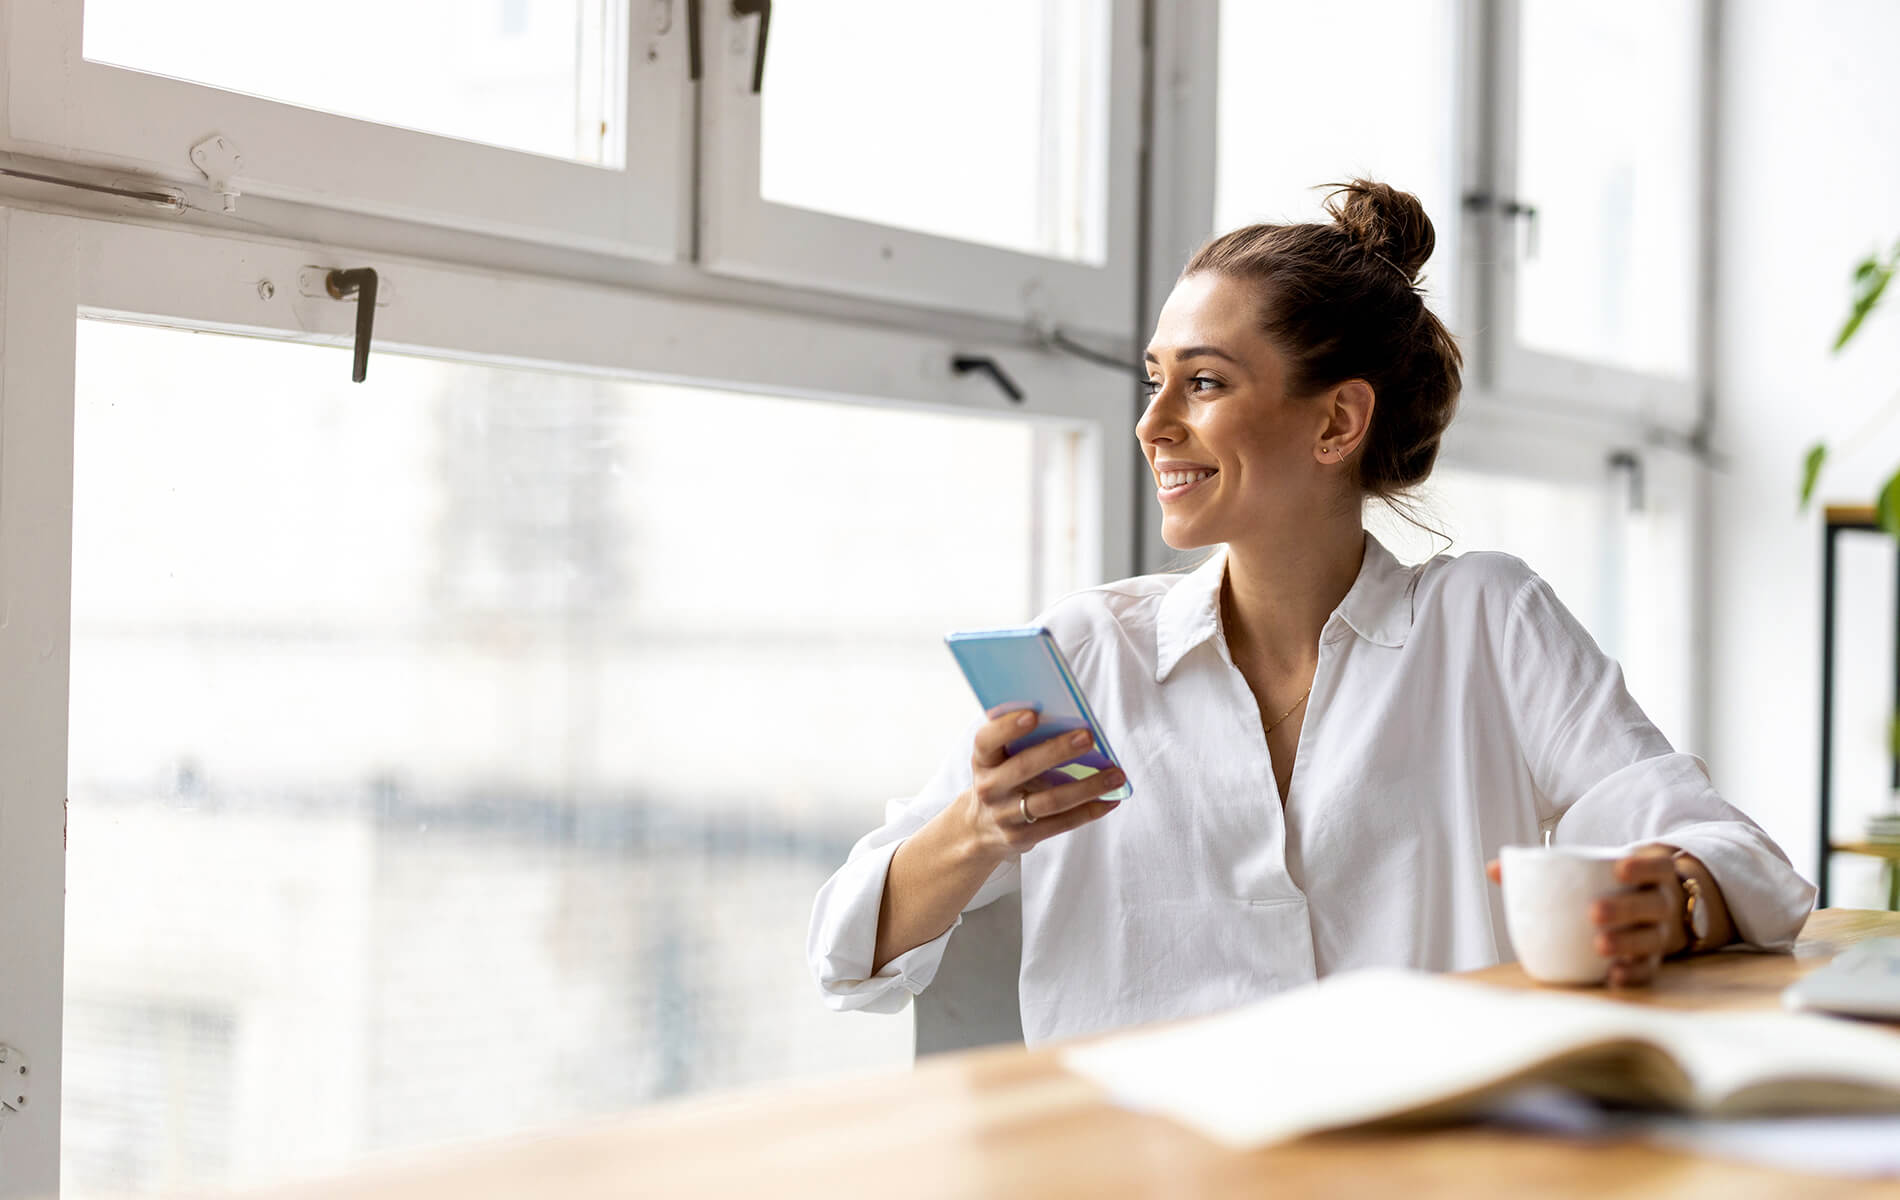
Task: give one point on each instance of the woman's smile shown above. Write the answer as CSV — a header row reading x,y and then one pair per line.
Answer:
x,y
1172,485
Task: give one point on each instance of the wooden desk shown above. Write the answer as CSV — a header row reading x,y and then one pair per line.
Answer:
x,y
1011,1122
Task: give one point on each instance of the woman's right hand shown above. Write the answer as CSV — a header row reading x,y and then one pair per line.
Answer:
x,y
1004,785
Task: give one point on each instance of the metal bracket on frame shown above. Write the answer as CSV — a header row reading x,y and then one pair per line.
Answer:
x,y
15,1080
218,158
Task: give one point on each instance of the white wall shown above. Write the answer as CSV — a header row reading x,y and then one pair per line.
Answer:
x,y
1809,181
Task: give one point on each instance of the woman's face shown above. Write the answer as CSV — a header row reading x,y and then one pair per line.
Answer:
x,y
1232,454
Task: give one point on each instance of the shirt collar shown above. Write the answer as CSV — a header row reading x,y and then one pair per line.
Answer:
x,y
1378,607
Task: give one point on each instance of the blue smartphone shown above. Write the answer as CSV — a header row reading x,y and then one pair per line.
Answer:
x,y
1023,668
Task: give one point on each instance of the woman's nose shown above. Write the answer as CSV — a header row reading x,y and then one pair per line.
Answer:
x,y
1157,422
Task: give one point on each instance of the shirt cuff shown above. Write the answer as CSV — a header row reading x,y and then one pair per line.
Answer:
x,y
843,941
1766,899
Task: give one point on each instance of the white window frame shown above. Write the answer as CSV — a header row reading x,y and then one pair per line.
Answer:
x,y
56,267
743,235
36,505
62,107
1539,379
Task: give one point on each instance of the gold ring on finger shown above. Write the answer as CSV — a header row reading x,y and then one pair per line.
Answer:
x,y
1023,801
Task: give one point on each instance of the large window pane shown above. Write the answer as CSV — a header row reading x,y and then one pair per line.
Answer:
x,y
986,122
1606,154
1312,94
546,76
459,753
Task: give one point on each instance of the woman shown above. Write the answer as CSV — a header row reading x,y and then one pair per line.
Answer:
x,y
1326,747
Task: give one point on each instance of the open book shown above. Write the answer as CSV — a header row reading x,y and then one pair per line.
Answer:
x,y
1384,1045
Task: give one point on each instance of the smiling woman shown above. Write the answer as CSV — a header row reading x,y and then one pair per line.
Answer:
x,y
1342,302
1409,720
1304,371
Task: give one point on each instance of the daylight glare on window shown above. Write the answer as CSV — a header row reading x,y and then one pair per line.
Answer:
x,y
472,700
546,77
997,135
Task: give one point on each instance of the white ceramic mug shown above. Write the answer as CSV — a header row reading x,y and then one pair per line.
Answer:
x,y
1548,892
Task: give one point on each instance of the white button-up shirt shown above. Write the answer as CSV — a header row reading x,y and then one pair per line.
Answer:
x,y
1457,708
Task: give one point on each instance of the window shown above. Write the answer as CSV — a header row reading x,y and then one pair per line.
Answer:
x,y
1605,270
938,160
551,88
1594,214
1548,211
1289,125
993,175
550,721
495,687
571,131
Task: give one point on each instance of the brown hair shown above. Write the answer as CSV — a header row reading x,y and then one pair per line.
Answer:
x,y
1341,302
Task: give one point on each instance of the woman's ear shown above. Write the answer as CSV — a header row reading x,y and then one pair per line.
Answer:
x,y
1348,418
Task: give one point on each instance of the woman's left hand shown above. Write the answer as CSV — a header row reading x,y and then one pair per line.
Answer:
x,y
1639,928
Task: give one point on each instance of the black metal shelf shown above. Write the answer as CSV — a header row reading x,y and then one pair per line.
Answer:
x,y
1840,519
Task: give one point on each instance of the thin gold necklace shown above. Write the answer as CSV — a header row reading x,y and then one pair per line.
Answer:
x,y
1289,712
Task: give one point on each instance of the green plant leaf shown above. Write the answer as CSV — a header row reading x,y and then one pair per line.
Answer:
x,y
1870,280
1887,507
1811,471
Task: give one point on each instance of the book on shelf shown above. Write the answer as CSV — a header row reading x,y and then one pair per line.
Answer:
x,y
1383,1046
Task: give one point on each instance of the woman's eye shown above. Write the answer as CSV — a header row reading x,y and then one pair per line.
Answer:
x,y
1151,386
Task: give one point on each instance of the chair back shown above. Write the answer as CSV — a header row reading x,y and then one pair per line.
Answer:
x,y
973,1001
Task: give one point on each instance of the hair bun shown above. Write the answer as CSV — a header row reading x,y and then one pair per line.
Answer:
x,y
1385,221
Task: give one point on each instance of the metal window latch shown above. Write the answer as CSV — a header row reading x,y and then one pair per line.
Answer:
x,y
1512,208
1528,212
361,283
965,363
14,1080
217,157
1625,462
763,10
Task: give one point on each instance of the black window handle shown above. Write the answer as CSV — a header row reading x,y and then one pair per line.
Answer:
x,y
964,363
692,39
1515,209
763,10
360,283
1511,207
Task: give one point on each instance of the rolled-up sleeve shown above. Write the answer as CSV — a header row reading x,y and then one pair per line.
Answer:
x,y
1606,775
842,943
